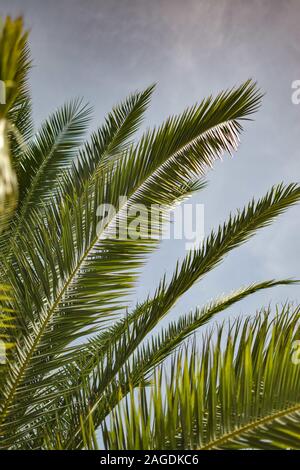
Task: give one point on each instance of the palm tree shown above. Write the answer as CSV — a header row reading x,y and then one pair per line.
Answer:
x,y
77,349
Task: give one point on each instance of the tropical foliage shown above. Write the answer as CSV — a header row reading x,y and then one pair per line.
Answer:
x,y
77,349
240,389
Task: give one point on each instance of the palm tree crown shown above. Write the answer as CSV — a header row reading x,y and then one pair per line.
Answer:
x,y
77,350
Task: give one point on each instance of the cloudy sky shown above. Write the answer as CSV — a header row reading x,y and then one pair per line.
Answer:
x,y
103,50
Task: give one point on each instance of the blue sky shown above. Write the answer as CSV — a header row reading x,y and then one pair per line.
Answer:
x,y
102,50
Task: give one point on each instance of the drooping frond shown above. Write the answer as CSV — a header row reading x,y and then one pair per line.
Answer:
x,y
240,389
89,386
197,263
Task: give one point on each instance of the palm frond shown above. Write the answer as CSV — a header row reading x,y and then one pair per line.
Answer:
x,y
90,387
107,143
237,391
52,150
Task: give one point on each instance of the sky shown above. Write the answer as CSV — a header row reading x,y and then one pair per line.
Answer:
x,y
103,50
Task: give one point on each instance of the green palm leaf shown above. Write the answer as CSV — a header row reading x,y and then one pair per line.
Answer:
x,y
239,390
